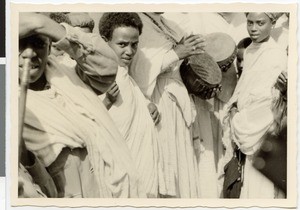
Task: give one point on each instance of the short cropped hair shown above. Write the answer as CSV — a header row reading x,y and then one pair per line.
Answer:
x,y
60,17
81,19
112,20
244,43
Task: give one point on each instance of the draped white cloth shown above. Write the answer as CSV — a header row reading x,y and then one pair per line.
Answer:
x,y
281,32
210,22
70,114
164,87
132,118
207,130
254,95
205,149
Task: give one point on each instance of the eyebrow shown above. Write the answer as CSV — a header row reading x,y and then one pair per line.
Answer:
x,y
123,41
259,20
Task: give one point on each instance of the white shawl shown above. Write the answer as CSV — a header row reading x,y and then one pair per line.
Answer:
x,y
73,116
262,65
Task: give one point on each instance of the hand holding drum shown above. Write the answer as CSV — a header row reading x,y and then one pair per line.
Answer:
x,y
191,45
201,76
205,73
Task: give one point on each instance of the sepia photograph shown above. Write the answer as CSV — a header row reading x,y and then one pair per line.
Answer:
x,y
148,105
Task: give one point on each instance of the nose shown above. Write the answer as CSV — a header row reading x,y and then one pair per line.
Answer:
x,y
28,53
254,27
129,50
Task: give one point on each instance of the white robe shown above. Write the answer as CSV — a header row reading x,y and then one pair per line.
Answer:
x,y
207,130
70,114
132,118
263,63
165,88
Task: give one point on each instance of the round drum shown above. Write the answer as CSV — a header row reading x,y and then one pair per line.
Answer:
x,y
201,75
222,48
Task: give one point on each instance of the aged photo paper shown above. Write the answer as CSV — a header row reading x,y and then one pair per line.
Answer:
x,y
177,13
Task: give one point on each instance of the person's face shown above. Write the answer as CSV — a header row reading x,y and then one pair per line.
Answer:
x,y
36,49
259,27
240,59
124,42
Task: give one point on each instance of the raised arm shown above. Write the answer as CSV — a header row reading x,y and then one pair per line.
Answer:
x,y
97,64
34,23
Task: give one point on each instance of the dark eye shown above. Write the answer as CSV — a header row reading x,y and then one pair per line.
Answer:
x,y
249,23
261,23
38,43
122,45
135,45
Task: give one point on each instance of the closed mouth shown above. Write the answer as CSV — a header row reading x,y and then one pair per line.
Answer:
x,y
126,60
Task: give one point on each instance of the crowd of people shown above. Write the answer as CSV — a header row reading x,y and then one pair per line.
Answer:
x,y
108,115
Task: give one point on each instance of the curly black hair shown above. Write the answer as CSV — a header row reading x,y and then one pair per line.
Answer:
x,y
112,20
60,17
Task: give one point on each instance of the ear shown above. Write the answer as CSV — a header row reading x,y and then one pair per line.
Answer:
x,y
104,38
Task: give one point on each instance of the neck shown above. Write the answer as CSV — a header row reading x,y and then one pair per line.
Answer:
x,y
39,85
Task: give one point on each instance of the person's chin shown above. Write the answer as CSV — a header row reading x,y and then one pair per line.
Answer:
x,y
34,78
125,62
254,38
35,74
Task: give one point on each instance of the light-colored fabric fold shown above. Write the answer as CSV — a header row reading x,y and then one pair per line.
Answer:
x,y
73,116
132,118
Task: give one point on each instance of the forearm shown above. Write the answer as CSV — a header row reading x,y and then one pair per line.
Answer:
x,y
97,63
33,23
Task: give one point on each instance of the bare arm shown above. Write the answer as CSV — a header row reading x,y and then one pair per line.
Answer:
x,y
34,23
96,62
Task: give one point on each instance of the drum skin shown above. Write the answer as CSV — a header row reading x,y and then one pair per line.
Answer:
x,y
200,74
220,49
223,50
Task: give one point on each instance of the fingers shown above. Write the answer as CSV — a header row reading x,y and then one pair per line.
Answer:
x,y
154,113
195,43
282,78
113,88
155,117
113,92
116,93
196,52
194,38
157,120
